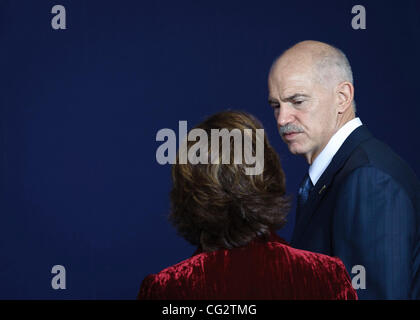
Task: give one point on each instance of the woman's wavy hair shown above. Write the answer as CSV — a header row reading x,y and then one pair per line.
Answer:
x,y
219,206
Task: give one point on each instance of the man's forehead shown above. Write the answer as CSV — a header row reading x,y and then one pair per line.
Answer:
x,y
290,85
291,70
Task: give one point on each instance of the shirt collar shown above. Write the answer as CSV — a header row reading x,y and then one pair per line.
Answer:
x,y
322,161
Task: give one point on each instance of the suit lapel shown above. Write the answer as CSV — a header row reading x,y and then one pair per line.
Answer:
x,y
305,213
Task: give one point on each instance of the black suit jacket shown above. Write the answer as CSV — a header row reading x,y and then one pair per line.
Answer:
x,y
365,209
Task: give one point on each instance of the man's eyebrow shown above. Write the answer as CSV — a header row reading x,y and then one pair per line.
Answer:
x,y
296,95
289,98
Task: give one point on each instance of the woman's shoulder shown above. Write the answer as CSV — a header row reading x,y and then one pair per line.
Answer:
x,y
275,249
172,276
273,261
305,259
328,273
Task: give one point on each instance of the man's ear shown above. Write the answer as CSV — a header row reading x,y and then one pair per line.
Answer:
x,y
345,95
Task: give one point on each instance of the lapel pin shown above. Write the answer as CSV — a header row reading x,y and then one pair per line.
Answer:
x,y
322,189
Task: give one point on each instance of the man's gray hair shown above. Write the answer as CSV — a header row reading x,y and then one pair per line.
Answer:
x,y
333,65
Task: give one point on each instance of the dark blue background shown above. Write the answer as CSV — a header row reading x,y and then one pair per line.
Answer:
x,y
80,108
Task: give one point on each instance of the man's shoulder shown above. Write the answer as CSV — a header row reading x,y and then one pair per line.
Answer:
x,y
376,159
372,152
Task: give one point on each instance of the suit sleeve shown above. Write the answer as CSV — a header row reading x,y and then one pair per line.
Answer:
x,y
374,229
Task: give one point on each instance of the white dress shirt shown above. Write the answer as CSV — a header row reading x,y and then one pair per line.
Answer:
x,y
322,161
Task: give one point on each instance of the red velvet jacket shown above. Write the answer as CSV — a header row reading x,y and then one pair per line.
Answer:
x,y
261,270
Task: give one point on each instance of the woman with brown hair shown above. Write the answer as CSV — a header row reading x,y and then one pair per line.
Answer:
x,y
232,216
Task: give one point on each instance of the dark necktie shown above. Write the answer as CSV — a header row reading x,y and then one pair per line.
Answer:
x,y
304,190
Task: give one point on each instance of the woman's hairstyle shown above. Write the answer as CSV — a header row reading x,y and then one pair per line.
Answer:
x,y
219,206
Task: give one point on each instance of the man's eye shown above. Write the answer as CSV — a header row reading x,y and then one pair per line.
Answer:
x,y
297,102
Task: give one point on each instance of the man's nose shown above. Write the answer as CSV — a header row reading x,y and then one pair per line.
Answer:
x,y
284,115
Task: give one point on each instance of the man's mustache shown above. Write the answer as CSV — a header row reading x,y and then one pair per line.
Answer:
x,y
290,128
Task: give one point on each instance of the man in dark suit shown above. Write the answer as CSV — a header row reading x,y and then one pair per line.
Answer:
x,y
359,201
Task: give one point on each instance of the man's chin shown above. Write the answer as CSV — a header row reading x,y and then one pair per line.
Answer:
x,y
294,149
